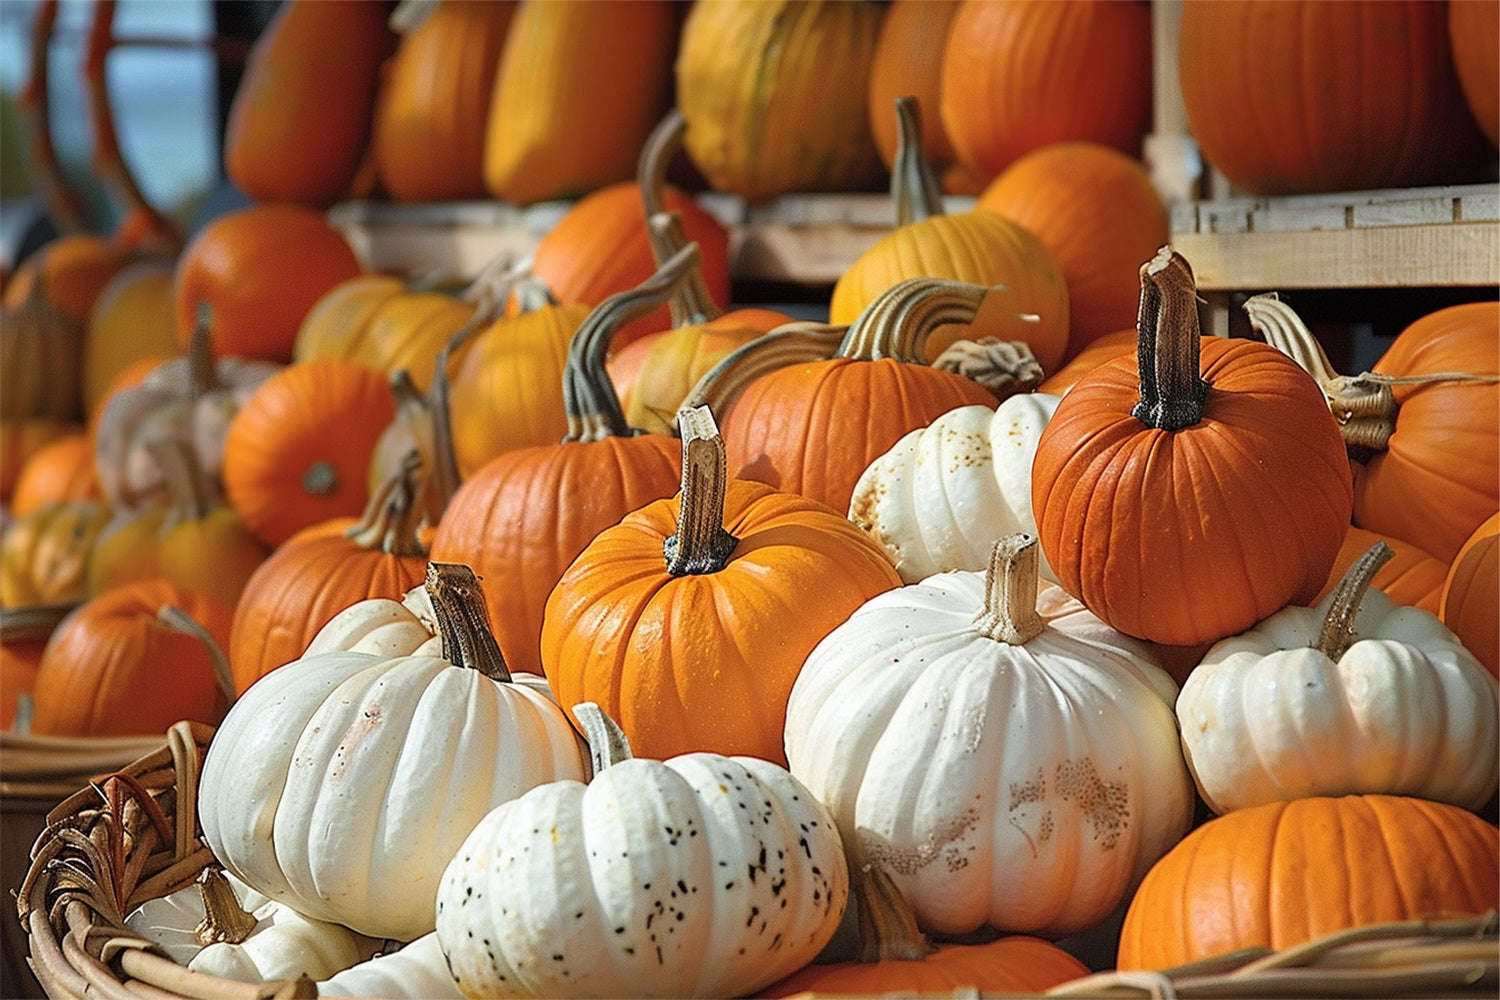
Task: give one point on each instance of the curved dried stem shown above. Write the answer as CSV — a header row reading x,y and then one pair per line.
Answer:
x,y
1338,633
693,303
1173,393
392,515
462,620
179,620
788,344
701,544
607,741
914,187
897,323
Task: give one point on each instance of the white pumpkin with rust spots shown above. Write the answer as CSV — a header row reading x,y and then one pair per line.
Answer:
x,y
699,876
1007,758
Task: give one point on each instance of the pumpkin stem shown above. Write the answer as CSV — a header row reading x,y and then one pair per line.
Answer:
x,y
700,545
651,169
462,620
492,286
192,499
1172,393
693,304
888,928
203,374
224,919
589,397
1010,581
1004,367
179,620
607,742
442,464
914,187
897,323
391,517
532,294
1338,631
786,345
320,479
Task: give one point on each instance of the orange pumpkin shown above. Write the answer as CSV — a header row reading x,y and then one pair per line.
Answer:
x,y
1471,593
1018,75
133,318
18,665
336,325
731,575
260,269
1309,95
300,120
1097,211
297,451
59,471
21,439
1115,344
72,271
1474,33
1245,498
1283,873
113,668
1410,577
908,61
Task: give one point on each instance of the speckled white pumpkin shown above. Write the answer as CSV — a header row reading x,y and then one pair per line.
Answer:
x,y
1401,709
342,783
1023,783
702,875
943,494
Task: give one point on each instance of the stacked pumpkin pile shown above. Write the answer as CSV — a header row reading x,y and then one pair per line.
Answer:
x,y
588,637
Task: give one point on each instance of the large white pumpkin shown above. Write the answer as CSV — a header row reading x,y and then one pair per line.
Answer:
x,y
342,783
702,875
1013,769
1357,695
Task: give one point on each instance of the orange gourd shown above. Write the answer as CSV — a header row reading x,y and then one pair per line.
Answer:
x,y
300,120
59,471
133,318
21,439
1474,33
1471,594
297,451
908,61
1018,75
113,668
336,325
1311,95
1283,873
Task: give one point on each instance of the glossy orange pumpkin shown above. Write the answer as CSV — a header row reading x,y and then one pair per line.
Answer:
x,y
297,451
113,668
1280,874
1474,33
60,470
1471,594
1411,577
21,439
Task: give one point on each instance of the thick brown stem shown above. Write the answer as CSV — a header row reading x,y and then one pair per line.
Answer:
x,y
224,919
1338,631
1009,613
701,545
914,187
897,323
1173,394
463,623
392,515
607,741
203,373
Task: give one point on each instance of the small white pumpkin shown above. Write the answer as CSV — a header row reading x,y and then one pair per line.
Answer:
x,y
941,497
343,782
1006,757
1357,695
418,971
701,875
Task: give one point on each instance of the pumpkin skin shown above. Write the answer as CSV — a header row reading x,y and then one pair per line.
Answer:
x,y
132,319
44,554
301,93
1471,593
260,268
1117,343
417,971
18,665
336,325
19,440
908,60
775,95
41,352
428,139
557,127
1017,76
1016,963
1279,110
297,451
1211,895
72,271
1474,33
113,669
1412,577
653,915
408,331
60,471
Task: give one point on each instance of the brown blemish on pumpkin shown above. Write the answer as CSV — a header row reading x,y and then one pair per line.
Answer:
x,y
966,450
942,845
1105,803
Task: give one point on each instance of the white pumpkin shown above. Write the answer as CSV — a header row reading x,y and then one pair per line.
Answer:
x,y
418,971
941,497
701,875
1357,695
1007,758
342,783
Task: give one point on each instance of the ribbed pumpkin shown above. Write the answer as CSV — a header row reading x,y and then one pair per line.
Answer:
x,y
428,139
59,471
44,554
558,126
296,453
260,268
775,94
72,270
1474,33
1280,874
300,120
1245,498
41,353
688,621
1422,421
1411,577
408,330
908,61
1471,593
113,668
1098,213
336,325
133,318
1304,96
1019,75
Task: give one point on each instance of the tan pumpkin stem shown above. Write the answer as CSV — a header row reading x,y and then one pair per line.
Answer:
x,y
391,517
693,304
1173,394
492,286
1338,631
914,187
191,496
701,544
532,293
31,622
897,323
203,373
179,620
1009,613
462,620
786,345
888,930
656,155
607,741
593,408
224,919
1364,405
1004,367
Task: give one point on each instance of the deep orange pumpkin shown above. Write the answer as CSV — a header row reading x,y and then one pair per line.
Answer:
x,y
1410,577
60,470
908,61
1280,874
1471,594
1474,33
73,270
1107,347
21,439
